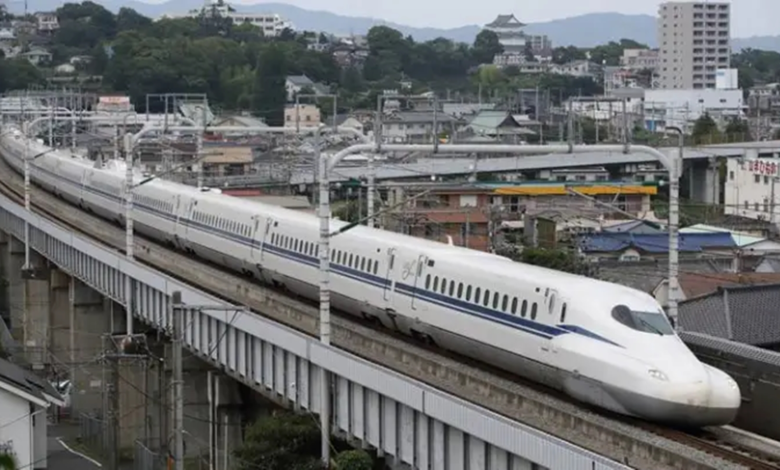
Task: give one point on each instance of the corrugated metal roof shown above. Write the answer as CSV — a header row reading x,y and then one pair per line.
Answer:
x,y
652,243
740,238
25,381
744,314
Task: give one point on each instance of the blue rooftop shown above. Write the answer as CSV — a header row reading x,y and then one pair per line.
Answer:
x,y
653,243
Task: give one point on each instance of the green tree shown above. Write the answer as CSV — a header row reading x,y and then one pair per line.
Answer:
x,y
270,94
7,461
705,130
564,55
282,441
561,260
737,130
486,46
528,53
353,460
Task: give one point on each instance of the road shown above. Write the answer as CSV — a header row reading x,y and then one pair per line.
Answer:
x,y
64,457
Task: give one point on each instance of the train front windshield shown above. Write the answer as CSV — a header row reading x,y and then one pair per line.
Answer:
x,y
646,322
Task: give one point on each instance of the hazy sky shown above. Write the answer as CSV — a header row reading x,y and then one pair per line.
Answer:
x,y
751,17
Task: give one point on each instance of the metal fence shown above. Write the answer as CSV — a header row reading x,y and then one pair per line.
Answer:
x,y
145,458
94,433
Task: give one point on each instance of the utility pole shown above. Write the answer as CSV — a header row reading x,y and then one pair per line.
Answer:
x,y
178,396
180,313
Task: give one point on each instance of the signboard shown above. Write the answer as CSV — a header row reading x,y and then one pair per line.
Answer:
x,y
114,104
764,167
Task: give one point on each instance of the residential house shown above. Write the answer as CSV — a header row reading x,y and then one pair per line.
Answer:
x,y
500,125
693,285
631,247
302,115
646,275
296,83
24,400
238,120
345,120
47,22
462,211
226,158
578,68
37,56
416,126
741,313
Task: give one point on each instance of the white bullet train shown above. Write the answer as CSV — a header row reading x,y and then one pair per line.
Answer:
x,y
602,343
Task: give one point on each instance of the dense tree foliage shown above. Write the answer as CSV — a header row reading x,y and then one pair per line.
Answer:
x,y
239,68
288,441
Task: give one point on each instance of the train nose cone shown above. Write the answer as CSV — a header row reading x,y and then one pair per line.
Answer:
x,y
725,397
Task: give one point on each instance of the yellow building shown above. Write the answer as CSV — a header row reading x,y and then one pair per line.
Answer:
x,y
306,115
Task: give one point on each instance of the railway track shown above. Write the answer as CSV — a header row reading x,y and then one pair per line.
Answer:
x,y
10,185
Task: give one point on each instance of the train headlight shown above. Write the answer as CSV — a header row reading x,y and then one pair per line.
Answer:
x,y
657,374
732,383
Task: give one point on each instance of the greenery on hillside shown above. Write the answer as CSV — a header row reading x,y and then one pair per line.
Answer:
x,y
239,69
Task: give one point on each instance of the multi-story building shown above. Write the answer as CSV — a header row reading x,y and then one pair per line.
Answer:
x,y
307,115
681,108
693,39
751,188
541,44
271,24
639,59
47,22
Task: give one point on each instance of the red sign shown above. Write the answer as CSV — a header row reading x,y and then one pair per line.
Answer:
x,y
764,167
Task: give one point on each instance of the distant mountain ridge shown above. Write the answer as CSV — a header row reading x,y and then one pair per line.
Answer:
x,y
582,31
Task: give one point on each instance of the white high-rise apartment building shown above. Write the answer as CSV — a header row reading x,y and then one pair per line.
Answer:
x,y
694,42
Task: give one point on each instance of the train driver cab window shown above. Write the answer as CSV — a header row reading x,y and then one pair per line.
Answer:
x,y
646,322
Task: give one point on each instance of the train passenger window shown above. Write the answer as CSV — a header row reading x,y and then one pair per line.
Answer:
x,y
443,285
563,312
505,302
551,305
496,295
533,311
460,290
452,288
524,308
362,264
349,263
477,295
427,281
436,283
486,298
646,322
376,266
468,292
514,305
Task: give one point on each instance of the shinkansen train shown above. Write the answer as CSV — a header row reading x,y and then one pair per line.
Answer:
x,y
604,344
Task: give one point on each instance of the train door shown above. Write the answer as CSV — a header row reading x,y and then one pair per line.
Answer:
x,y
191,217
260,238
389,279
419,266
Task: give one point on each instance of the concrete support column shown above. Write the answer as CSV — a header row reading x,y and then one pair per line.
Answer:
x,y
87,322
712,182
5,314
28,299
59,323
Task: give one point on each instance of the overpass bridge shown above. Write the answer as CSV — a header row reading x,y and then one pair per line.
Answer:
x,y
700,168
415,406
